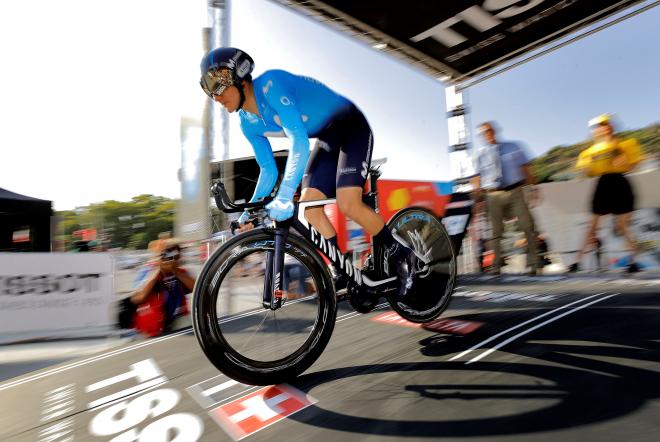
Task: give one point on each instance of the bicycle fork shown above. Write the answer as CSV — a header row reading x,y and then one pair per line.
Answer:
x,y
273,292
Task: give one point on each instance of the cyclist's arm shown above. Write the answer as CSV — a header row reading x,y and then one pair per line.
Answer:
x,y
267,167
284,105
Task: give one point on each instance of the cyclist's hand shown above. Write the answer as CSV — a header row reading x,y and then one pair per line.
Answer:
x,y
280,208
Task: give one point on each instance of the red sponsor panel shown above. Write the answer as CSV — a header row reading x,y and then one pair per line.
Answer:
x,y
395,319
452,326
247,415
85,234
394,195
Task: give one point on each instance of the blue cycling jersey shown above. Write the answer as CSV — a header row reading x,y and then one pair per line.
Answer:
x,y
293,106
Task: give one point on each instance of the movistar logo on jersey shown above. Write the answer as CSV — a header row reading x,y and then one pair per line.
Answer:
x,y
337,258
281,205
267,86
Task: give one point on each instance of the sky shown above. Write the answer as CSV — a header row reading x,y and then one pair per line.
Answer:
x,y
91,92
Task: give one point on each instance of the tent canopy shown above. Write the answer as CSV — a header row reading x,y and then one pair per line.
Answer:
x,y
11,202
24,223
456,40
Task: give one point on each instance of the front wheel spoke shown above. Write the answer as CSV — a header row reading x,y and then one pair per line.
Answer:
x,y
255,331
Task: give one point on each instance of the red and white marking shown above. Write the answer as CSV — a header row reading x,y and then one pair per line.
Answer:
x,y
450,326
247,415
394,318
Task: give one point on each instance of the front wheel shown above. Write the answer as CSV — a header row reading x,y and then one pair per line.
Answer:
x,y
436,273
248,341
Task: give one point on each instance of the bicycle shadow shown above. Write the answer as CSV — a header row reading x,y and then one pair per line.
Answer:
x,y
564,384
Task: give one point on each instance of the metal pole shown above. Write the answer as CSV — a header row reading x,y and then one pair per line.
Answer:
x,y
460,160
219,14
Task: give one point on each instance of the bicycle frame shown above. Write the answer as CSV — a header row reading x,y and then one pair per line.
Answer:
x,y
273,292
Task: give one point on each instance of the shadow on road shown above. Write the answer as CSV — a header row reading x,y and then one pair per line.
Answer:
x,y
579,371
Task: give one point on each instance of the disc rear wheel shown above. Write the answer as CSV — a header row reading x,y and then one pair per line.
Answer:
x,y
436,271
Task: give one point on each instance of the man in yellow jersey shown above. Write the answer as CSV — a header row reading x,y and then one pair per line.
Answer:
x,y
609,158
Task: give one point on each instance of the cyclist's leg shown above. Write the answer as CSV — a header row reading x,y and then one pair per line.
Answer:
x,y
318,183
349,200
352,169
316,215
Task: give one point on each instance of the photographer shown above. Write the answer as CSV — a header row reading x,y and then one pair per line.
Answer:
x,y
163,297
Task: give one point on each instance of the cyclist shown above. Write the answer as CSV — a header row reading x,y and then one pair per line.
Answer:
x,y
279,103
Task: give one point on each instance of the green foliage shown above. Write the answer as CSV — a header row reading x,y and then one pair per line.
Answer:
x,y
559,162
122,224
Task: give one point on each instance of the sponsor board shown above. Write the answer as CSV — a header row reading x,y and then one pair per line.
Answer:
x,y
45,295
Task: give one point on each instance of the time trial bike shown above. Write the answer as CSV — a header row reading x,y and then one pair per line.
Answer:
x,y
265,302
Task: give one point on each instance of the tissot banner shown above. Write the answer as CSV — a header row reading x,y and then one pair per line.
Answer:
x,y
470,36
48,295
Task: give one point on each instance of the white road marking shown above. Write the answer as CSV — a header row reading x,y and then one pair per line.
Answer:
x,y
492,338
529,330
355,314
129,391
92,359
219,387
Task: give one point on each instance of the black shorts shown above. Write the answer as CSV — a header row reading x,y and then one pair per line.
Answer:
x,y
613,194
342,154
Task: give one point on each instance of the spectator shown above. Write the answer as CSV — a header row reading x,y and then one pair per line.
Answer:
x,y
162,298
503,170
609,158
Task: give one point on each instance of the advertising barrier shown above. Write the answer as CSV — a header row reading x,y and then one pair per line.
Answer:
x,y
564,216
49,295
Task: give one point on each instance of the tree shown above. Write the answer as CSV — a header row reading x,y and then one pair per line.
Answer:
x,y
122,224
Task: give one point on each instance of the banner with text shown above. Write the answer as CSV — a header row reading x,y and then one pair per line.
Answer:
x,y
46,295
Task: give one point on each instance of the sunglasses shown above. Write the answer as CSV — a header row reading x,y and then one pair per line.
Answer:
x,y
170,255
603,124
215,82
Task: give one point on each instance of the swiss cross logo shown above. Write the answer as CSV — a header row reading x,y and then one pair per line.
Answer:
x,y
249,414
394,318
452,326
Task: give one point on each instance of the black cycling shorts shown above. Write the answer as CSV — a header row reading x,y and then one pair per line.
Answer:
x,y
341,155
613,194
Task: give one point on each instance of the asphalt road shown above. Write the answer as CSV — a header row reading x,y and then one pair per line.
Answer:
x,y
513,359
